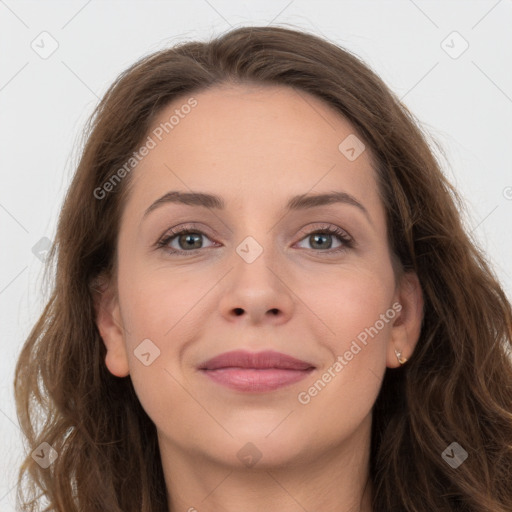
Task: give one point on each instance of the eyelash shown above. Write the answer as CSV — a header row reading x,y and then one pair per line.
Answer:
x,y
330,230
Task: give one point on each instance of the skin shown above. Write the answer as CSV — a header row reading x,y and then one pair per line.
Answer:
x,y
256,147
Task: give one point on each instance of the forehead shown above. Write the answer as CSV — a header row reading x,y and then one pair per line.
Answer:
x,y
250,143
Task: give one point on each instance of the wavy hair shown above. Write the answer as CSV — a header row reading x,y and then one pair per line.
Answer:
x,y
457,386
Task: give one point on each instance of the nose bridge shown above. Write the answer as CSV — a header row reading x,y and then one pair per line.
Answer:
x,y
257,257
255,235
256,242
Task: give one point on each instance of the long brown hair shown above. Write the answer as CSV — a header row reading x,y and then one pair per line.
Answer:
x,y
456,387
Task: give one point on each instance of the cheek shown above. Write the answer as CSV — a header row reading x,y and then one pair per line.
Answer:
x,y
166,308
358,311
155,304
157,327
352,300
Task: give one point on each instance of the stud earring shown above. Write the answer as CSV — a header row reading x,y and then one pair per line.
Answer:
x,y
401,359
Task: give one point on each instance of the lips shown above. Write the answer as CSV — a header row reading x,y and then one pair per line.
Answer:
x,y
249,371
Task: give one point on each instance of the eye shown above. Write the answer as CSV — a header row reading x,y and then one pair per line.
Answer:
x,y
188,240
322,238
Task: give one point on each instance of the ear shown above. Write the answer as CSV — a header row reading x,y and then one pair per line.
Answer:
x,y
406,328
110,327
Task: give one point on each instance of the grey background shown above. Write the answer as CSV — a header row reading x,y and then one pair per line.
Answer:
x,y
463,99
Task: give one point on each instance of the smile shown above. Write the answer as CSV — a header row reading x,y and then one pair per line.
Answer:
x,y
256,372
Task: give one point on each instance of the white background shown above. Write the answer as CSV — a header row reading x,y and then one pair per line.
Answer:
x,y
465,103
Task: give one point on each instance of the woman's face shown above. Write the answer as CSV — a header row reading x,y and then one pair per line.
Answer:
x,y
259,273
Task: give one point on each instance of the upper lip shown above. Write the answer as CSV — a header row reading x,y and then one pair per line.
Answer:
x,y
258,360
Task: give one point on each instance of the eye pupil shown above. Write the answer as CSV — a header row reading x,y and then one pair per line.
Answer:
x,y
189,237
320,235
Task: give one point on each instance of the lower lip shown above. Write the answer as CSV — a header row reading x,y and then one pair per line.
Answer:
x,y
252,379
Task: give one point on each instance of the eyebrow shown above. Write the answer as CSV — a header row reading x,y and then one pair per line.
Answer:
x,y
295,203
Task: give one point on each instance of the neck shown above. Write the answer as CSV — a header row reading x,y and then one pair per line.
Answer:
x,y
335,479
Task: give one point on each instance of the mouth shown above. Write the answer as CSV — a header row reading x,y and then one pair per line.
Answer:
x,y
255,372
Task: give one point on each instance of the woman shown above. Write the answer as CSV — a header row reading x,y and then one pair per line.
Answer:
x,y
202,352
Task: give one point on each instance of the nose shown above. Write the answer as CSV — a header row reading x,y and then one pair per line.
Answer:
x,y
257,290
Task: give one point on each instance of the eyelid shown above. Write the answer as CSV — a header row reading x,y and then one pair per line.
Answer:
x,y
174,232
347,240
321,227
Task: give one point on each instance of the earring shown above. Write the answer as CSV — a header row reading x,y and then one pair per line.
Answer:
x,y
401,359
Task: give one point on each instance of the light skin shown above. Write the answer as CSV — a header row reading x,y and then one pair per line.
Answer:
x,y
256,147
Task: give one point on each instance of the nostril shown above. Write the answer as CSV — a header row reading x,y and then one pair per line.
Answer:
x,y
239,311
